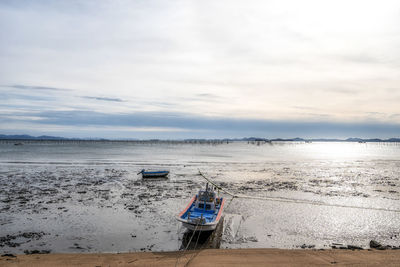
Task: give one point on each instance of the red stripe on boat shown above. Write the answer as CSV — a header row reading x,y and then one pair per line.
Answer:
x,y
188,206
220,210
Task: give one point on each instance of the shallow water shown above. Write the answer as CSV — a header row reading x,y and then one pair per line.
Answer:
x,y
87,196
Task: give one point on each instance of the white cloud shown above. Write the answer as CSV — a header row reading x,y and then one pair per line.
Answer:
x,y
258,58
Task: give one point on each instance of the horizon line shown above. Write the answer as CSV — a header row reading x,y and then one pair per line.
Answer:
x,y
251,138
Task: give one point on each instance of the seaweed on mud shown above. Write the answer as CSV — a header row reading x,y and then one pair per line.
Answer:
x,y
36,191
8,240
35,251
267,185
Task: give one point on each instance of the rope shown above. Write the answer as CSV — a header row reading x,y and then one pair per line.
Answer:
x,y
195,247
227,206
190,240
293,200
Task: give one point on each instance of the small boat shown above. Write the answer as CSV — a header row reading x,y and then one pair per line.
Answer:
x,y
153,174
203,212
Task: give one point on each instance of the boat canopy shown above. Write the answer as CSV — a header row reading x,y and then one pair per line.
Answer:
x,y
206,196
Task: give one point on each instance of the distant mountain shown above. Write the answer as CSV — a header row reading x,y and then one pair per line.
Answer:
x,y
44,137
372,140
297,139
254,139
375,140
47,137
247,139
354,139
13,137
325,140
29,137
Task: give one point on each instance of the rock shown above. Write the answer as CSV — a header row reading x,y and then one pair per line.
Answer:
x,y
374,244
76,246
384,247
28,252
354,247
252,239
9,255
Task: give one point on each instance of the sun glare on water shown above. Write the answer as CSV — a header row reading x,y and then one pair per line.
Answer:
x,y
336,150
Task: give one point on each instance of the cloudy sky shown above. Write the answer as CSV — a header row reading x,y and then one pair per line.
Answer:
x,y
183,69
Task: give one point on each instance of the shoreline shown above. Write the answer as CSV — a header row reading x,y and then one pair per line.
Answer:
x,y
220,257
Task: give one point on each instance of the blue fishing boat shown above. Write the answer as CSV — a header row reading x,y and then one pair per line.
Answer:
x,y
153,174
203,211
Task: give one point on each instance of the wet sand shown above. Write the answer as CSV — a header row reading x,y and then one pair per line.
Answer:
x,y
88,198
214,257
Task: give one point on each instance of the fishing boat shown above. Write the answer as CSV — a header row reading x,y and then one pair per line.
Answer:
x,y
153,174
203,212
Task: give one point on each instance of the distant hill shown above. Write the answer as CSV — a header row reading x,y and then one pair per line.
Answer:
x,y
247,139
297,139
29,137
253,139
372,140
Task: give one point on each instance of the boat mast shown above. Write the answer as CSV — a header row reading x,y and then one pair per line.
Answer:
x,y
206,197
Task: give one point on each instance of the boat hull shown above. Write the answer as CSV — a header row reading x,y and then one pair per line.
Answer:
x,y
154,174
201,227
192,225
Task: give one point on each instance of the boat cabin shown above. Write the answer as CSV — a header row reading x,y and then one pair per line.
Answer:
x,y
206,200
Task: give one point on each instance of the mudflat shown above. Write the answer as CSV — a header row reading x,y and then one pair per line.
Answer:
x,y
213,257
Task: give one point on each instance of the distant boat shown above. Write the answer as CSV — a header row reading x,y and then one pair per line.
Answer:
x,y
153,174
18,144
203,212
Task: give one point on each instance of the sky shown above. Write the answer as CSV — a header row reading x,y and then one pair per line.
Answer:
x,y
200,69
